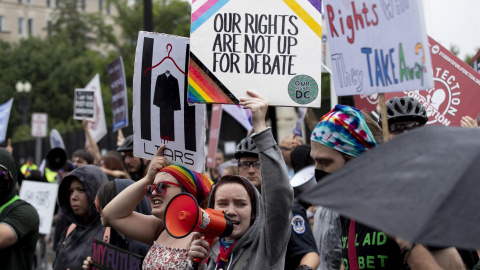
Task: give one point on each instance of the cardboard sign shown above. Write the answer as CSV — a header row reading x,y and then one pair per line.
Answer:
x,y
43,197
110,257
456,91
84,104
97,126
270,46
214,134
5,109
161,113
39,124
118,85
378,46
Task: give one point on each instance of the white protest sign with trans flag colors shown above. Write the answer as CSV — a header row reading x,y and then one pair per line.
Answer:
x,y
5,109
270,46
161,113
378,46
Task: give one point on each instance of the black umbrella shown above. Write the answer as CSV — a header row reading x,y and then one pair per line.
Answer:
x,y
423,186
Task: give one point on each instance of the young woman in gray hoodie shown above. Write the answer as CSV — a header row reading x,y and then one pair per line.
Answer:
x,y
261,221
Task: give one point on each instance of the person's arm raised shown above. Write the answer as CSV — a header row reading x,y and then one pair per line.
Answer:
x,y
119,212
259,106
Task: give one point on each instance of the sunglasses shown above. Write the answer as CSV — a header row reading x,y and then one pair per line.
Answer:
x,y
4,176
399,128
160,188
245,165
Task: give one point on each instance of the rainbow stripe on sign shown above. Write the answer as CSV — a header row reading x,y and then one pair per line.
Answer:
x,y
203,86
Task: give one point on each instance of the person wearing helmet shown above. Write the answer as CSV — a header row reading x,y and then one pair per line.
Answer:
x,y
301,249
404,114
137,167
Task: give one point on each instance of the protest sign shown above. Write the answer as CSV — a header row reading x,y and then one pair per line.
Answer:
x,y
240,114
214,134
84,104
56,140
272,47
110,257
455,94
39,124
97,126
161,113
378,46
476,62
5,109
43,197
118,85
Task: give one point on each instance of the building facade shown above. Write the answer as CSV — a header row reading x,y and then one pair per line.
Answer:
x,y
24,18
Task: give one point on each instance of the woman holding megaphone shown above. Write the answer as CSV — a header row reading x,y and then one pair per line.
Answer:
x,y
261,223
160,185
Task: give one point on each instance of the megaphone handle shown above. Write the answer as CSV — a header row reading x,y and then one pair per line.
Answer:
x,y
197,261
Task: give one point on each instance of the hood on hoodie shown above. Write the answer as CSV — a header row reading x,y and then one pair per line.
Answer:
x,y
7,163
92,177
252,233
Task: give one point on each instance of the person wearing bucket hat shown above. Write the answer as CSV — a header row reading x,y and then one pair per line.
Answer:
x,y
76,195
19,220
161,183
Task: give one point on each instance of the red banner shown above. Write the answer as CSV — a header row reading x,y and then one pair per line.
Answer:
x,y
214,133
456,92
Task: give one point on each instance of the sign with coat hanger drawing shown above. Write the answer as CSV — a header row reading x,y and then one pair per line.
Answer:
x,y
161,113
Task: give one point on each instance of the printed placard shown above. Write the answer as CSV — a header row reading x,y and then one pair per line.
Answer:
x,y
118,85
98,126
109,257
84,104
378,46
456,91
5,109
161,113
270,46
42,196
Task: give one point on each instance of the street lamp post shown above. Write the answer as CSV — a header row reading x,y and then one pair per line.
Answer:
x,y
24,89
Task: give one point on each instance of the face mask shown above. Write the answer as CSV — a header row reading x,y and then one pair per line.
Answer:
x,y
319,174
4,188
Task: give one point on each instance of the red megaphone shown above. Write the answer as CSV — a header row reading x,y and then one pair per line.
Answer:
x,y
183,216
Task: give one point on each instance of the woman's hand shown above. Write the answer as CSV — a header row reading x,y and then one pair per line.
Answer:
x,y
199,248
156,164
259,106
87,264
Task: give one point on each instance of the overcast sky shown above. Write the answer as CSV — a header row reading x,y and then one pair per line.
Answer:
x,y
454,23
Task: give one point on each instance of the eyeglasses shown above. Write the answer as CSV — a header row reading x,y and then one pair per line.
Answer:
x,y
4,176
160,188
245,165
399,128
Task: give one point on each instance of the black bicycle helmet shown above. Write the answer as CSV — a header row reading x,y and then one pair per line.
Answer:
x,y
246,147
127,145
405,109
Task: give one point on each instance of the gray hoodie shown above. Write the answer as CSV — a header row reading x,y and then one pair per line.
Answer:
x,y
73,250
264,244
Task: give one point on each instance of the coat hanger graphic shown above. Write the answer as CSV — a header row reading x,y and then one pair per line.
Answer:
x,y
169,48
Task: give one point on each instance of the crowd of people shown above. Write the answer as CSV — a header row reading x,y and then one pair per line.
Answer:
x,y
122,199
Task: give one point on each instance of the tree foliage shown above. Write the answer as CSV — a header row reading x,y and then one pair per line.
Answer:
x,y
79,45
